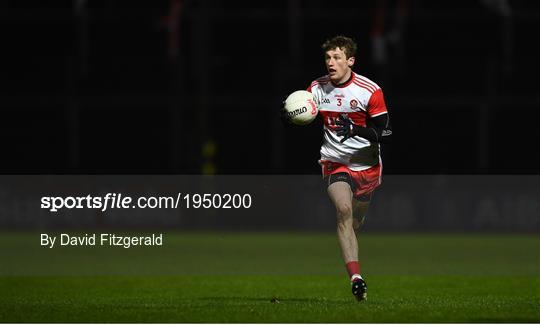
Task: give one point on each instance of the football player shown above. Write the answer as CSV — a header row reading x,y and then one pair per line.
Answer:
x,y
356,121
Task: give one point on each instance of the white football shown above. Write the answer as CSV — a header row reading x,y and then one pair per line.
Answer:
x,y
301,107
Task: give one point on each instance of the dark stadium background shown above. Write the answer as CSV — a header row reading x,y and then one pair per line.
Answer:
x,y
180,88
191,87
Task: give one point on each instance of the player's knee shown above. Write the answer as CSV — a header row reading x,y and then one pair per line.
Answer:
x,y
358,223
344,211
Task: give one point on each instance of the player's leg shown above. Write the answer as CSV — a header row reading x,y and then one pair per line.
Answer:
x,y
360,208
341,195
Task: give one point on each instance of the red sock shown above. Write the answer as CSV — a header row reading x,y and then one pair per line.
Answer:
x,y
353,268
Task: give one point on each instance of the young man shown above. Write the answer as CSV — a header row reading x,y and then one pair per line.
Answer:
x,y
350,158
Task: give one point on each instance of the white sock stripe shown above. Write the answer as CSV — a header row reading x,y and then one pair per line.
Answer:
x,y
356,276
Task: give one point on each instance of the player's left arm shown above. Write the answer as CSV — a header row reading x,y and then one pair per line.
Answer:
x,y
380,131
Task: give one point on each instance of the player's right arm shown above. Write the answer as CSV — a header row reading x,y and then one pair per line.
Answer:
x,y
380,131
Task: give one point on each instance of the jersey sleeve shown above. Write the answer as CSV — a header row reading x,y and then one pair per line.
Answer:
x,y
311,86
376,104
313,89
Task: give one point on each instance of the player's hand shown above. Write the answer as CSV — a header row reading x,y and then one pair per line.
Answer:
x,y
345,127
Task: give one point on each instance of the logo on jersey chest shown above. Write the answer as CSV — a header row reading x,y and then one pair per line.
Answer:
x,y
341,101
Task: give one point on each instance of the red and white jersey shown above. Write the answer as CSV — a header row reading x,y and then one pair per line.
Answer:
x,y
359,98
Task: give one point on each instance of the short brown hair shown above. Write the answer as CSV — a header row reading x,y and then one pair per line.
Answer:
x,y
346,44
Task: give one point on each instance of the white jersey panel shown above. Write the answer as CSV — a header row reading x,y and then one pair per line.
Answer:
x,y
352,99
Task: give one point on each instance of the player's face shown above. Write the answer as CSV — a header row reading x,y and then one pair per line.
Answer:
x,y
338,65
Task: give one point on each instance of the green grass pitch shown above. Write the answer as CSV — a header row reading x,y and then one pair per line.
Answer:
x,y
273,278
